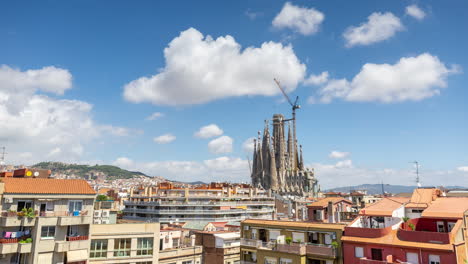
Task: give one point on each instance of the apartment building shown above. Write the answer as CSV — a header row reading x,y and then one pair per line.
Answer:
x,y
219,247
329,209
286,242
45,220
177,246
216,202
381,234
129,243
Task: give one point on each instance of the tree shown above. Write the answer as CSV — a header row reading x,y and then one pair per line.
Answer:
x,y
102,197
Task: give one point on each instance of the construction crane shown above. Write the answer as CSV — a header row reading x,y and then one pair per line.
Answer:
x,y
294,106
416,165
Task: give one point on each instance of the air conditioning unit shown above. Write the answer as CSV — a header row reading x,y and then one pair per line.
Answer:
x,y
105,213
97,221
8,200
106,221
97,213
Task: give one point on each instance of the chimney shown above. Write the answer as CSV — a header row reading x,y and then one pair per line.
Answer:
x,y
331,213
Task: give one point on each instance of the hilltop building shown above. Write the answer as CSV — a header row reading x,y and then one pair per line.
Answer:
x,y
278,164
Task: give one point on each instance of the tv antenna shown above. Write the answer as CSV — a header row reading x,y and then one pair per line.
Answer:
x,y
416,164
2,157
294,106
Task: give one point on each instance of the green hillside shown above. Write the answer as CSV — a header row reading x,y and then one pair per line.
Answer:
x,y
111,172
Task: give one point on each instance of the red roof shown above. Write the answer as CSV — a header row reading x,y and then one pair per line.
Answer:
x,y
46,186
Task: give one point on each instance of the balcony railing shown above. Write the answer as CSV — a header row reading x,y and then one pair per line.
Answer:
x,y
321,250
77,238
371,261
367,232
247,262
424,236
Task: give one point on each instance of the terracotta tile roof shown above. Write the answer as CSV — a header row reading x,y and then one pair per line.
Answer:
x,y
422,197
324,202
46,186
283,224
219,224
447,207
391,239
384,207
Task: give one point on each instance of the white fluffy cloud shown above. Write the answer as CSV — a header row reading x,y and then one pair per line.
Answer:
x,y
35,126
154,116
220,145
410,79
338,154
300,19
317,79
202,69
209,131
164,139
463,168
220,169
416,12
379,27
248,145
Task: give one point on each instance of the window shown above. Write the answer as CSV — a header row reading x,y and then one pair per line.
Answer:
x,y
98,248
270,260
328,239
412,258
74,206
122,247
434,259
274,234
416,211
72,231
298,237
440,226
145,246
254,233
359,252
376,254
24,204
450,226
285,261
48,232
175,242
187,262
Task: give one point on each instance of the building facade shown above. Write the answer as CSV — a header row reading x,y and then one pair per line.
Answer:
x,y
132,243
384,234
177,246
283,242
278,164
166,203
219,247
45,220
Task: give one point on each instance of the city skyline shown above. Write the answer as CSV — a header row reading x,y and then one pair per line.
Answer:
x,y
180,89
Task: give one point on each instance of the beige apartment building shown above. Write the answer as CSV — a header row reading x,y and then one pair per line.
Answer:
x,y
177,246
132,243
45,220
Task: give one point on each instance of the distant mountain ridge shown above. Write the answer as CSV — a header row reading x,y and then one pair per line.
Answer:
x,y
377,188
82,171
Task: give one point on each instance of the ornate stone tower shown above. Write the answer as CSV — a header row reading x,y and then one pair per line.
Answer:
x,y
277,165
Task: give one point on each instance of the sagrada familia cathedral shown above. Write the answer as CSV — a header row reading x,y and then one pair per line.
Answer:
x,y
278,165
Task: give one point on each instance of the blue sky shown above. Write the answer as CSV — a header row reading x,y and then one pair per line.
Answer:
x,y
79,80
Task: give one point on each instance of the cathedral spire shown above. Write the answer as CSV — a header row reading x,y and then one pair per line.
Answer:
x,y
273,174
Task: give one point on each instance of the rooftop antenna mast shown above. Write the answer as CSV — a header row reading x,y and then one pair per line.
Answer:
x,y
416,164
294,106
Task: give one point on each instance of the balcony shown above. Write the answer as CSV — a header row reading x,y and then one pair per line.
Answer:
x,y
367,232
321,250
24,248
230,251
247,262
423,230
9,245
72,243
294,248
251,243
73,218
371,261
12,219
180,252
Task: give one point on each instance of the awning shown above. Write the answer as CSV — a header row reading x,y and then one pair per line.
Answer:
x,y
77,255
